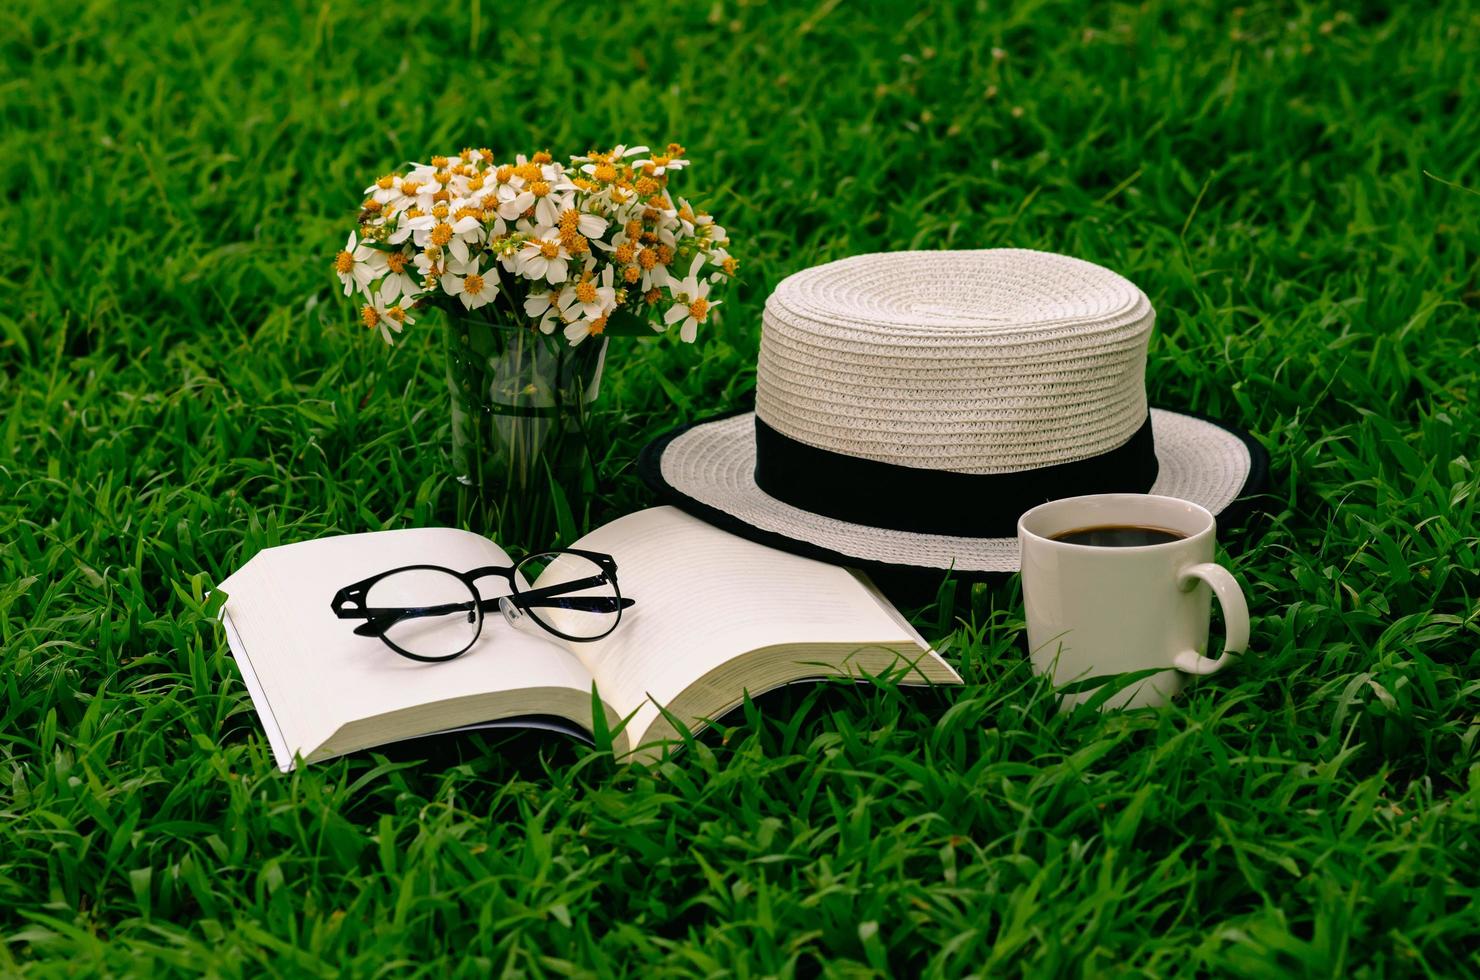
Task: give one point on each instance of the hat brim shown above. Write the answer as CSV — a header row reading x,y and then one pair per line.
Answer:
x,y
708,469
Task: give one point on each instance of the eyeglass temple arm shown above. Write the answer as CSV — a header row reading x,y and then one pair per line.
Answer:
x,y
377,621
535,597
553,596
581,603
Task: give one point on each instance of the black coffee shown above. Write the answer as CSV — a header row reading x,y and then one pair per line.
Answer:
x,y
1119,536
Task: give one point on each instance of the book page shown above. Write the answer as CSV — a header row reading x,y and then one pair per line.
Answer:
x,y
704,597
316,676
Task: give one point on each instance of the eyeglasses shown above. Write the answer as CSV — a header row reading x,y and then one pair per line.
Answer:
x,y
431,614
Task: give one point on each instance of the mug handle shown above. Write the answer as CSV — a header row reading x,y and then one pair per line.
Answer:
x,y
1235,618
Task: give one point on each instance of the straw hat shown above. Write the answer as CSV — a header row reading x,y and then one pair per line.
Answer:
x,y
910,405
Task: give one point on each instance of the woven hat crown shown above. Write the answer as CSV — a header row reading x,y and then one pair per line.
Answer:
x,y
988,361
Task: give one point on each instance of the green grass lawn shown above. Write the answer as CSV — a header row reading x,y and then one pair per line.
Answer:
x,y
1296,188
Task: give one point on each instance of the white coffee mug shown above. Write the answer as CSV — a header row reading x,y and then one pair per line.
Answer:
x,y
1096,611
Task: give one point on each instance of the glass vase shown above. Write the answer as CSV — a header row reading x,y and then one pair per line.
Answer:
x,y
521,439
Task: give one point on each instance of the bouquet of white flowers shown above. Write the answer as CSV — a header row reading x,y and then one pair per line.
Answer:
x,y
510,254
596,247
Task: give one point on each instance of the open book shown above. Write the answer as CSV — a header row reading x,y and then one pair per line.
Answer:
x,y
714,617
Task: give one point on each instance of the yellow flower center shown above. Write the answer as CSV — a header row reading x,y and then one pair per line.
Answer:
x,y
647,258
575,243
527,172
598,325
396,313
652,295
344,263
665,254
633,229
583,184
541,157
396,261
625,253
442,195
467,213
414,212
439,162
699,309
410,187
504,174
586,291
387,182
368,316
647,187
605,173
475,183
467,154
539,188
632,273
473,284
729,265
550,250
662,161
570,220
442,234
372,206
439,211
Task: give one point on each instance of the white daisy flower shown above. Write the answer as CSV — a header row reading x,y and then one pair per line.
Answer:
x,y
541,188
543,257
544,308
467,229
548,199
724,264
705,227
511,201
398,280
592,226
586,300
470,286
386,189
444,229
675,223
411,224
654,273
387,319
618,152
419,185
659,164
494,223
691,305
358,265
581,329
428,264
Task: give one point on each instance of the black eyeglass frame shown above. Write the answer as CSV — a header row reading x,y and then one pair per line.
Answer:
x,y
349,602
